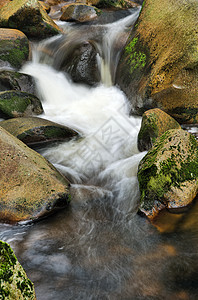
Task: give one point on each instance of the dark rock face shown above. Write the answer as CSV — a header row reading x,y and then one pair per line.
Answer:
x,y
29,17
168,174
35,131
82,65
155,122
159,64
15,104
30,187
10,80
14,281
14,48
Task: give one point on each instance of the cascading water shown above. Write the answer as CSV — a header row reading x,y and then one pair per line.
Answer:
x,y
98,248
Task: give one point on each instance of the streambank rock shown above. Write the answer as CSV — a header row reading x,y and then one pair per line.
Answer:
x,y
29,17
82,64
155,122
30,187
10,80
14,104
168,174
119,4
159,64
14,48
36,131
78,12
14,283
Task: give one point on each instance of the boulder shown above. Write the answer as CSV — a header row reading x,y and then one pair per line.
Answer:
x,y
78,12
82,65
14,283
36,131
15,104
119,4
155,122
14,48
30,187
29,17
168,174
159,64
10,80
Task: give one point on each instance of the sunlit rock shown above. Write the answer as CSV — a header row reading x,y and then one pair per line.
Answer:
x,y
30,187
14,48
14,104
168,174
29,17
14,283
155,122
78,12
36,131
10,80
159,64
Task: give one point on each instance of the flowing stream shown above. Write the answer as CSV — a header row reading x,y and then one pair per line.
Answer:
x,y
99,248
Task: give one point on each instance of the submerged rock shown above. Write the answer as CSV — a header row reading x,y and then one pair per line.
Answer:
x,y
36,131
159,64
155,122
15,104
10,80
78,12
29,17
30,187
14,283
14,48
168,174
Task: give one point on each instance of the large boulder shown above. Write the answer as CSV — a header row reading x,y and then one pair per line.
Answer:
x,y
159,64
14,283
14,104
14,48
155,122
29,17
78,12
10,80
35,131
168,174
30,187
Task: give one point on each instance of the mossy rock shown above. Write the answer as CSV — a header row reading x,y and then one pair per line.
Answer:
x,y
10,80
35,131
30,187
29,17
14,283
159,64
155,122
14,48
116,4
168,174
14,104
78,12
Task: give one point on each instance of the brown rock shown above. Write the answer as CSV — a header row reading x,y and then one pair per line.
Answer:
x,y
78,12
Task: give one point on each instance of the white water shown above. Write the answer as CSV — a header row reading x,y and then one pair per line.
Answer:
x,y
106,155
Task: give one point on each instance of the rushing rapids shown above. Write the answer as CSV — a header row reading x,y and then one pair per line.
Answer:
x,y
99,248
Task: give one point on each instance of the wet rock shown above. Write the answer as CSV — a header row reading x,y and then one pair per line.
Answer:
x,y
155,122
10,80
14,104
14,48
14,281
36,131
159,64
29,17
45,6
78,13
168,174
119,4
82,64
30,187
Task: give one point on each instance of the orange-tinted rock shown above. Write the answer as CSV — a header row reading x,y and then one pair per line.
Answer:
x,y
155,122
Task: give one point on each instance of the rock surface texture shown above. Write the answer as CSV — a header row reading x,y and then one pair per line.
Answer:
x,y
14,283
168,174
30,187
159,64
